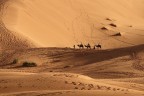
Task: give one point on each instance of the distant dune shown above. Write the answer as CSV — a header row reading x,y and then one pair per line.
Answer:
x,y
67,22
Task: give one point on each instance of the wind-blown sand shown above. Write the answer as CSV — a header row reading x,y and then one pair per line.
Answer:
x,y
44,32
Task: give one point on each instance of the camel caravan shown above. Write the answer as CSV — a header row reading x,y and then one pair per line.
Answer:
x,y
88,46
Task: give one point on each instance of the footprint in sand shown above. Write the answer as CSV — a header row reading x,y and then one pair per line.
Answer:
x,y
122,90
114,89
98,87
66,82
81,84
83,88
76,88
118,89
90,86
19,85
108,88
74,83
5,87
3,81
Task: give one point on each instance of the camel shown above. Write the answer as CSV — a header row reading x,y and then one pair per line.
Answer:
x,y
98,46
88,46
80,46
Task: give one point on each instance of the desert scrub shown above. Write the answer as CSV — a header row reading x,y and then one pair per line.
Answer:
x,y
29,64
15,61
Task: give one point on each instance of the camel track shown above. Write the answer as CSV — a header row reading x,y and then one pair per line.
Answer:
x,y
137,64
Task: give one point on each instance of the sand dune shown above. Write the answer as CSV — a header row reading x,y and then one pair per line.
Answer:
x,y
117,71
42,32
49,81
10,39
67,22
66,84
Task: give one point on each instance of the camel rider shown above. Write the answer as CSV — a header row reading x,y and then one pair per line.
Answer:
x,y
74,46
88,44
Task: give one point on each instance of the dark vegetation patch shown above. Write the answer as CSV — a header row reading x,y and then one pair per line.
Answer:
x,y
29,64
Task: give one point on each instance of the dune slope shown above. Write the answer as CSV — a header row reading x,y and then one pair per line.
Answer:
x,y
56,25
9,39
64,71
58,84
68,22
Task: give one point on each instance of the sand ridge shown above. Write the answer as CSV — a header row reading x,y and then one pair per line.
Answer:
x,y
68,22
42,33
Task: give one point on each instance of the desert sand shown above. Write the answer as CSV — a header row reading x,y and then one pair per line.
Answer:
x,y
44,31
